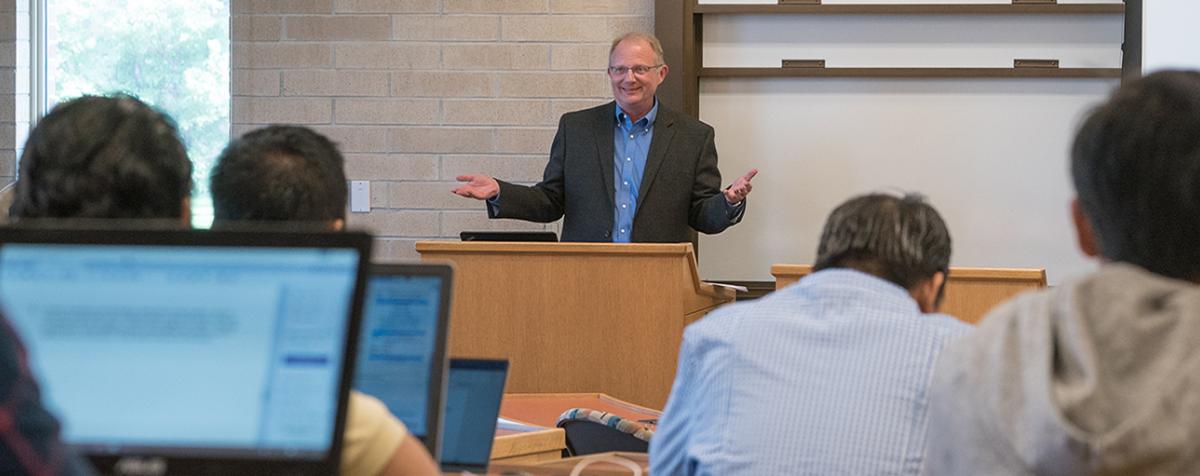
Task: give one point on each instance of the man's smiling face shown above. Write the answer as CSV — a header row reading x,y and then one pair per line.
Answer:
x,y
633,91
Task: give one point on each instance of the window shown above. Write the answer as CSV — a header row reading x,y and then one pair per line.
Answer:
x,y
173,54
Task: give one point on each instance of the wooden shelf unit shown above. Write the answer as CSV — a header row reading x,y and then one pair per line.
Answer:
x,y
683,38
916,9
909,73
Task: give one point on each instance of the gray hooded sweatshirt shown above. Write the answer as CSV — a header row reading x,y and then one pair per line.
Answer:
x,y
1100,376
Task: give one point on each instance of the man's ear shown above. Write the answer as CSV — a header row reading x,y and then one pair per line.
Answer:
x,y
1084,232
338,225
926,292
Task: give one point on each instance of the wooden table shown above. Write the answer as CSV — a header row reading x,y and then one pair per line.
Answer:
x,y
525,447
542,410
563,467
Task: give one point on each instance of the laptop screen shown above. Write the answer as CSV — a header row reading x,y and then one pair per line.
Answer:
x,y
401,356
195,350
473,397
508,236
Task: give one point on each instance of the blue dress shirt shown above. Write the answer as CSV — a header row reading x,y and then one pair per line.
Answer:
x,y
631,144
828,376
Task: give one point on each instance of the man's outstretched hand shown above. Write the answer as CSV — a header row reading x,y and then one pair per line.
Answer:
x,y
738,191
480,187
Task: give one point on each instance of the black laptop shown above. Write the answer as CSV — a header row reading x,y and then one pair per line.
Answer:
x,y
190,352
402,351
508,236
476,387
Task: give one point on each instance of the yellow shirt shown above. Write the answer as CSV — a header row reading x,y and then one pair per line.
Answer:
x,y
372,436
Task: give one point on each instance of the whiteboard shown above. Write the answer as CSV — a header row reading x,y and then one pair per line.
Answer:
x,y
990,154
1169,35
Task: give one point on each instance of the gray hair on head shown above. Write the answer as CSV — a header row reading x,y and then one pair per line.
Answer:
x,y
899,238
655,45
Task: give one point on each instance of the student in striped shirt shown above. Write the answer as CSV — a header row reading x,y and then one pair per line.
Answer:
x,y
829,375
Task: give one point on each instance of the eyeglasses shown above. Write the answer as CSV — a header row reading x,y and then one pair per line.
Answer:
x,y
639,70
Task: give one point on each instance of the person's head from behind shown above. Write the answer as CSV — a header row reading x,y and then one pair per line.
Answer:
x,y
103,157
1136,168
900,239
279,174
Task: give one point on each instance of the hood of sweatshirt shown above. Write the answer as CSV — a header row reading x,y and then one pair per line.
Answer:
x,y
1097,376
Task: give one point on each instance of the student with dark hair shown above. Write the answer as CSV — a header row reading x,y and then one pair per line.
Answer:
x,y
291,175
827,376
280,173
91,157
118,158
103,157
1097,375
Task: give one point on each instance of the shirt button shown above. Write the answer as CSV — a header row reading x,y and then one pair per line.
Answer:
x,y
627,159
630,136
623,205
625,184
622,231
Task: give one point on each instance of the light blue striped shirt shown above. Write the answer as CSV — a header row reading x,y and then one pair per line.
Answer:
x,y
828,376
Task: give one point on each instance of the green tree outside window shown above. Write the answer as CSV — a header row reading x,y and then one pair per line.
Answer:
x,y
173,54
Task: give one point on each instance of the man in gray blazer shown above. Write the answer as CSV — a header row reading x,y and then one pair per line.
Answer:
x,y
631,170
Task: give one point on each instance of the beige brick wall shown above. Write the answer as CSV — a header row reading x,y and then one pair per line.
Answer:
x,y
419,91
11,88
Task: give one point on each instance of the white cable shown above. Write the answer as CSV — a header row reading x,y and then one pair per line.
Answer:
x,y
630,465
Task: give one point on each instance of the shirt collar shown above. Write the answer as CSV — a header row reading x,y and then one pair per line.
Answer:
x,y
856,285
649,118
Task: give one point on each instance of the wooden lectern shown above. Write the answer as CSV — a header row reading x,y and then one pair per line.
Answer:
x,y
970,292
576,317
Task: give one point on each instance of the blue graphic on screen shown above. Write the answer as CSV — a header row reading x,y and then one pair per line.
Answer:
x,y
472,404
212,348
395,358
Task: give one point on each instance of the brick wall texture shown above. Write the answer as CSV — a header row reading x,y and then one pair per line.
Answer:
x,y
419,91
10,89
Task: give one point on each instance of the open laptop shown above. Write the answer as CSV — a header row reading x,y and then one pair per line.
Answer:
x,y
476,387
508,236
402,351
187,352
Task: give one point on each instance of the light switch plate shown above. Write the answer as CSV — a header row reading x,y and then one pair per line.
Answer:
x,y
360,196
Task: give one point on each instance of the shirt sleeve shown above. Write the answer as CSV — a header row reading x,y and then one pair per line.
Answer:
x,y
493,204
372,436
669,446
735,211
543,202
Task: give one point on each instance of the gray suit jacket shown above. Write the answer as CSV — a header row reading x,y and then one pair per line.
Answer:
x,y
680,186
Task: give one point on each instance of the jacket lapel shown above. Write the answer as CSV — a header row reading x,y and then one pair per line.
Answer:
x,y
603,130
659,143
